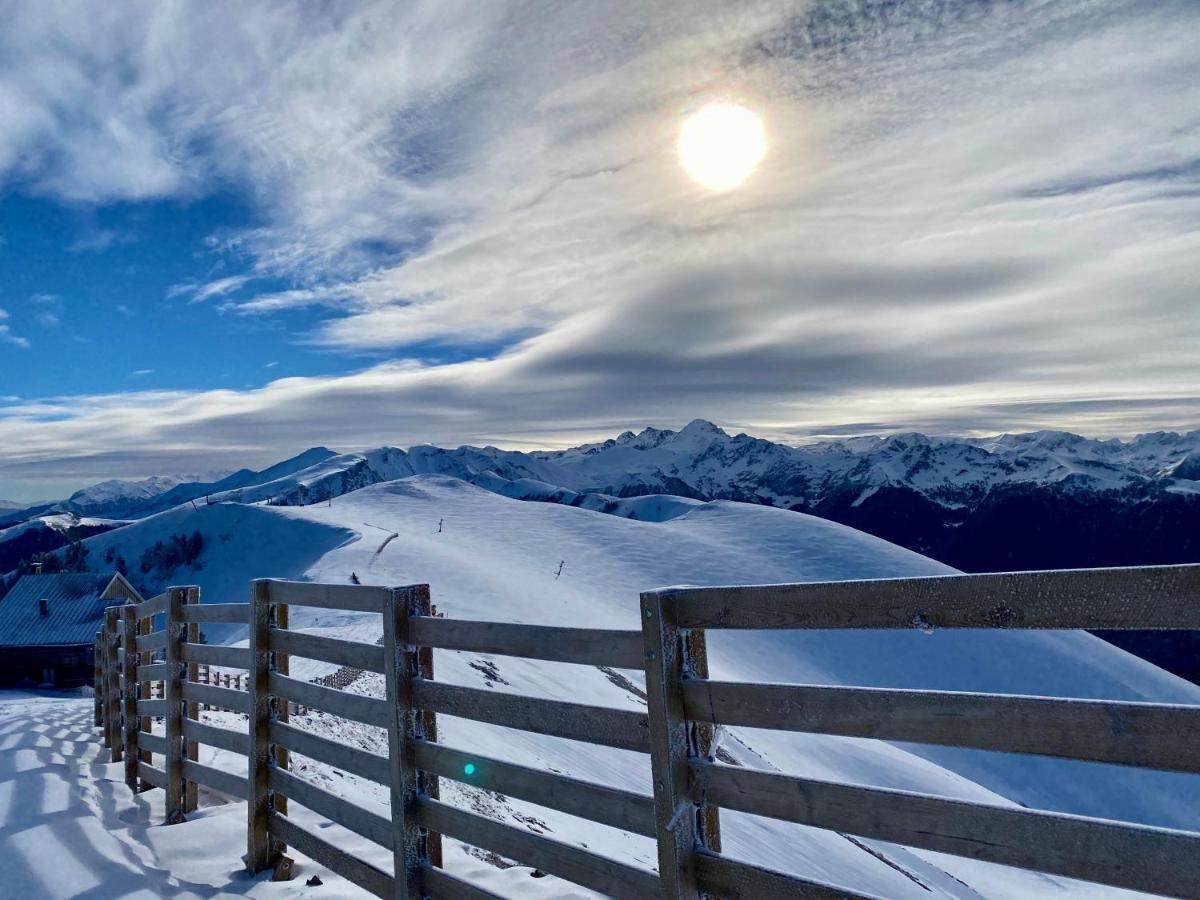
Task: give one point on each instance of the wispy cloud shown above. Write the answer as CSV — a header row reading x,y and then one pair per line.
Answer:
x,y
970,216
7,335
97,241
198,292
141,373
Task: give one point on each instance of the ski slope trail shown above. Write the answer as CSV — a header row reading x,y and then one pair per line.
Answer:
x,y
487,556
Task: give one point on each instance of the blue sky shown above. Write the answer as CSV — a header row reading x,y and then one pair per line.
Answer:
x,y
229,231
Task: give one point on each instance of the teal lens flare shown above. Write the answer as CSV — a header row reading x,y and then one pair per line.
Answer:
x,y
469,769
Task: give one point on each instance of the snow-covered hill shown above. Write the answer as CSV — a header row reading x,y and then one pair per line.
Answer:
x,y
491,557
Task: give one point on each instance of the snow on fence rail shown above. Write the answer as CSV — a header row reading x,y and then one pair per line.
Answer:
x,y
684,708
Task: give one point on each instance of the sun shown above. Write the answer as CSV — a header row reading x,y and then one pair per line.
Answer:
x,y
721,144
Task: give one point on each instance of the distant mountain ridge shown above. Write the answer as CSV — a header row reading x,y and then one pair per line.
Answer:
x,y
701,461
975,503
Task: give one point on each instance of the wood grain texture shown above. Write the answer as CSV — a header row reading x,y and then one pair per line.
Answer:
x,y
625,729
129,713
1149,597
152,672
154,743
368,657
1150,735
1156,860
410,843
224,738
368,710
349,597
152,607
341,756
371,825
217,655
226,613
366,876
599,803
599,873
582,646
222,698
217,779
675,821
112,690
97,677
156,640
174,803
258,793
155,708
152,775
191,796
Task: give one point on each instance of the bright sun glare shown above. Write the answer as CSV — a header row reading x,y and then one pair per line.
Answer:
x,y
720,144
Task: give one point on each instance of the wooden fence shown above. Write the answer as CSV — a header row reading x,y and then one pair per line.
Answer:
x,y
684,709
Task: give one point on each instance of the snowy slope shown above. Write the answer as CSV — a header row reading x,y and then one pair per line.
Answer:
x,y
116,496
492,557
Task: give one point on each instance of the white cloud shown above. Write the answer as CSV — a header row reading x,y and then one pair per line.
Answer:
x,y
970,217
6,333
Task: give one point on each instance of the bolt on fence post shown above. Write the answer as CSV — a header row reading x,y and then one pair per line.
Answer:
x,y
413,847
112,690
259,795
676,818
130,667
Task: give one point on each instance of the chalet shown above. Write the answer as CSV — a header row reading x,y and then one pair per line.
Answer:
x,y
48,624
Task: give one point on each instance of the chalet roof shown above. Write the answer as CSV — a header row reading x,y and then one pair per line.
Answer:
x,y
75,609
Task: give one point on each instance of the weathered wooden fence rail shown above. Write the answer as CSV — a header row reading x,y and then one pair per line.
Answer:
x,y
157,642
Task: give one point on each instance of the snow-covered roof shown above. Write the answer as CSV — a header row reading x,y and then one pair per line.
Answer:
x,y
74,609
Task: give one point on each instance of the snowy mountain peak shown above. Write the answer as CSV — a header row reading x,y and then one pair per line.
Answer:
x,y
699,431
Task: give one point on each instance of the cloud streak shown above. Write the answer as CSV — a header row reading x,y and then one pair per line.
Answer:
x,y
970,218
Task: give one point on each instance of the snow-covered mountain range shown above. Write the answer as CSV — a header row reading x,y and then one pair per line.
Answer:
x,y
976,503
705,462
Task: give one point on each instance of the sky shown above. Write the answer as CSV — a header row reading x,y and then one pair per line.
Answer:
x,y
230,231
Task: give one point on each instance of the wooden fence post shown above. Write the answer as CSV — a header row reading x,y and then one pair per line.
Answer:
x,y
681,825
98,680
280,664
702,739
145,723
173,694
132,722
260,800
413,847
192,711
112,699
